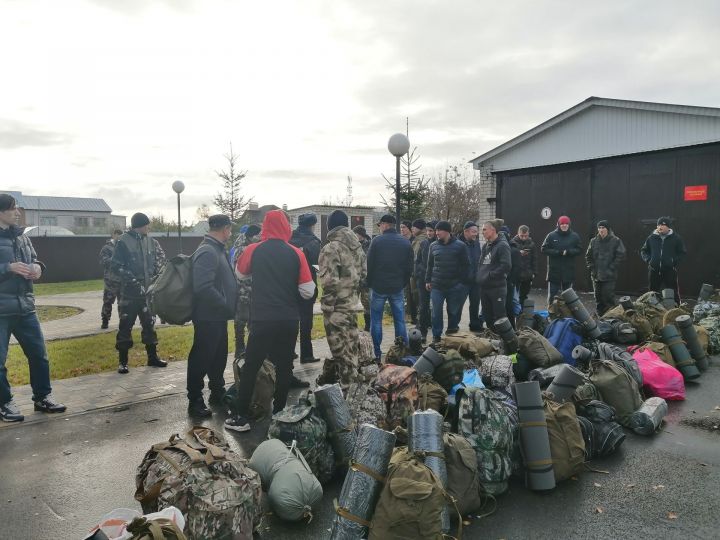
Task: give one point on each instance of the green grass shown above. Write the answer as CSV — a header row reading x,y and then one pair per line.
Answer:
x,y
53,313
45,289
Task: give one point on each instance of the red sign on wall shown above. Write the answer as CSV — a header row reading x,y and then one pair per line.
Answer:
x,y
696,193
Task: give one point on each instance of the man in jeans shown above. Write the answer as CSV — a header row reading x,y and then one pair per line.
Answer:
x,y
19,267
281,277
446,277
389,266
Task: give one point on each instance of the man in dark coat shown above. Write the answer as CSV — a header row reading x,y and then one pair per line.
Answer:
x,y
214,298
604,253
527,263
304,238
492,274
469,237
663,251
421,260
19,267
111,282
561,247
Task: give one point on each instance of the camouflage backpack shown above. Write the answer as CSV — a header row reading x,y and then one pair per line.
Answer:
x,y
431,395
450,372
365,404
712,325
367,350
396,352
219,495
484,421
302,424
398,388
263,392
643,327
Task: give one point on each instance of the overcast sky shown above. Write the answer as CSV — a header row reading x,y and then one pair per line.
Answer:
x,y
117,98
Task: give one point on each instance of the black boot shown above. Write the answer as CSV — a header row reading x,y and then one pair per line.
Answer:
x,y
104,324
123,365
153,358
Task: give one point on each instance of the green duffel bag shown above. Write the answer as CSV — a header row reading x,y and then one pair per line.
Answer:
x,y
430,394
450,372
567,444
536,348
617,388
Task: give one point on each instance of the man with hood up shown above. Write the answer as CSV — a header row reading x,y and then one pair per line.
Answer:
x,y
342,273
663,251
605,252
281,276
561,247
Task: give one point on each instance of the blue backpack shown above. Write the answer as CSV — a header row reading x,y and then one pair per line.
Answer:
x,y
565,335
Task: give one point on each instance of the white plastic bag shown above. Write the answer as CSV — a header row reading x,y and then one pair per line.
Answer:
x,y
114,523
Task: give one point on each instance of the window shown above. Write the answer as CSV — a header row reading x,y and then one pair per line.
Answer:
x,y
357,220
82,222
48,220
100,222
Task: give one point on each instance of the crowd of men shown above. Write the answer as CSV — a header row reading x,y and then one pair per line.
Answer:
x,y
269,282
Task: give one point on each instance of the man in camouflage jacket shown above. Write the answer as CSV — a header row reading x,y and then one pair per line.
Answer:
x,y
249,234
605,252
110,280
342,273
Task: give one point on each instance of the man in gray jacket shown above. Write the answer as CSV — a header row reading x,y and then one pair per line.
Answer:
x,y
214,295
492,272
605,252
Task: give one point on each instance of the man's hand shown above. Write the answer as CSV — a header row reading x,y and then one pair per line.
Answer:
x,y
564,253
428,286
36,270
22,269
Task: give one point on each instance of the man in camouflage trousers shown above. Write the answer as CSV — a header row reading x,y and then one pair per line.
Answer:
x,y
249,234
342,273
364,240
111,281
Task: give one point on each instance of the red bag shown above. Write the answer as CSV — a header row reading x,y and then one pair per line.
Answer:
x,y
659,379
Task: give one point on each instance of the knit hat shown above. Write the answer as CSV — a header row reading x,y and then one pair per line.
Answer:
x,y
252,230
563,220
419,223
443,226
307,220
139,220
604,223
388,218
338,218
469,224
664,221
431,224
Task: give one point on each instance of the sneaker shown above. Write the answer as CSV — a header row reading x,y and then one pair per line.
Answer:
x,y
156,362
9,412
198,409
104,325
123,368
237,423
49,405
297,383
216,397
309,360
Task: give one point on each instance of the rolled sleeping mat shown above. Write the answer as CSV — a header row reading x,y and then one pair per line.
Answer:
x,y
689,335
534,438
705,292
565,383
363,483
428,361
508,335
425,434
334,410
668,299
647,419
572,301
581,354
626,302
544,376
680,353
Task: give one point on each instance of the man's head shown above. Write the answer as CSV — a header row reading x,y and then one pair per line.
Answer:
x,y
337,218
418,226
360,232
523,232
220,227
117,233
139,222
252,232
664,224
489,231
443,230
603,228
563,223
430,229
387,222
307,220
9,212
470,231
405,229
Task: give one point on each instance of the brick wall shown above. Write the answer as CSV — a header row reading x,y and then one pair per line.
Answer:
x,y
487,190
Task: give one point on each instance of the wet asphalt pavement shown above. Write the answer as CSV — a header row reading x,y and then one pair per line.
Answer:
x,y
59,477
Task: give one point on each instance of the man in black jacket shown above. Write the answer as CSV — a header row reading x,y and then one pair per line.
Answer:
x,y
469,237
420,269
214,297
604,253
663,251
492,274
304,238
527,263
389,265
561,247
446,277
19,267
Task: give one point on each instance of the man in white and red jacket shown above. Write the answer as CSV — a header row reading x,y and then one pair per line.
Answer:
x,y
280,277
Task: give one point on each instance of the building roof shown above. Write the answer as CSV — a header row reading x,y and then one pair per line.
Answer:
x,y
333,206
601,127
42,203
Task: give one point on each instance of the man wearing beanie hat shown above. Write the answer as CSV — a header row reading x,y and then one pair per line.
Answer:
x,y
663,251
446,277
469,237
135,263
603,256
420,263
304,239
342,272
389,266
411,291
561,247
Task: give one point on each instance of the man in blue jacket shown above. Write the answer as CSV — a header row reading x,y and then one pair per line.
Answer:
x,y
389,266
663,250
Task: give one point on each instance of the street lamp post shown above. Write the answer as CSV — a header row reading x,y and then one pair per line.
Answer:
x,y
179,187
398,146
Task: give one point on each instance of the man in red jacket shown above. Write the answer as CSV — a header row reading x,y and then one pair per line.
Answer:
x,y
281,276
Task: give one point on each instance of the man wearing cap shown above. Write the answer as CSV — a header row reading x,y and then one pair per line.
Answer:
x,y
110,280
663,251
446,277
469,237
249,234
304,238
364,240
342,272
135,263
390,264
603,256
419,272
561,247
214,297
413,301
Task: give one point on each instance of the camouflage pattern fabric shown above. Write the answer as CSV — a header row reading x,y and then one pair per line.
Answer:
x,y
712,325
484,421
160,258
366,354
559,310
365,404
110,294
398,388
302,424
396,352
343,338
705,309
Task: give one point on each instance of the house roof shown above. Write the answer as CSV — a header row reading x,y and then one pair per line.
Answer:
x,y
80,204
603,127
335,207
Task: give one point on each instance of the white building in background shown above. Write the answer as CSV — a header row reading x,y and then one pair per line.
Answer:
x,y
358,215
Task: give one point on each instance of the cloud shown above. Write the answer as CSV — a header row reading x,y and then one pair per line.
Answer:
x,y
15,134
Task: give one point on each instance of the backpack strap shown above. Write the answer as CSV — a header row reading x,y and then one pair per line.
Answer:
x,y
344,512
355,466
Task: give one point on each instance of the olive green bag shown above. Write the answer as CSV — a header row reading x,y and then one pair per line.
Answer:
x,y
536,348
450,372
617,388
567,445
154,529
462,471
468,345
430,394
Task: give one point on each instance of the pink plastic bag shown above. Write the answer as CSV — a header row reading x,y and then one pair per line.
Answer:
x,y
659,379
